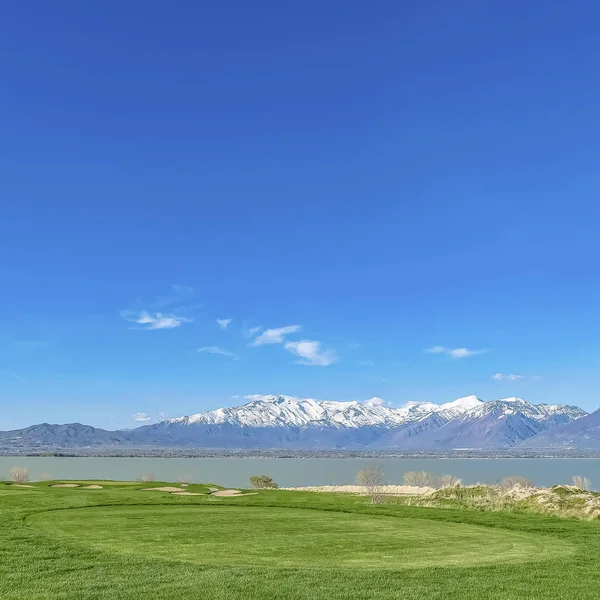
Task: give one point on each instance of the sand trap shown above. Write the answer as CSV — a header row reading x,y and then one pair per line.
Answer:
x,y
65,485
21,485
388,490
230,493
187,494
92,487
213,489
163,489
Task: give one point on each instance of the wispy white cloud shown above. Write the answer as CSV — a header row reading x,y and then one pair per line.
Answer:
x,y
141,417
217,350
162,415
275,336
513,377
152,315
12,375
155,321
223,323
235,397
310,353
455,352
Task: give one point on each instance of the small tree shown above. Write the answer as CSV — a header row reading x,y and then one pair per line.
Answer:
x,y
447,481
260,482
582,483
147,477
417,478
19,474
371,479
512,481
184,479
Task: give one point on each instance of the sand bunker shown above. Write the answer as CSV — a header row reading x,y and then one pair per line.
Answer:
x,y
92,487
22,485
65,485
163,489
230,493
213,489
187,494
388,490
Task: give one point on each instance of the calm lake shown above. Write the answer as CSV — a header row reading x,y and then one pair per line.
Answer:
x,y
288,472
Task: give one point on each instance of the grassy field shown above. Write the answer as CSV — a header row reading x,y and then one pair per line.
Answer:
x,y
123,542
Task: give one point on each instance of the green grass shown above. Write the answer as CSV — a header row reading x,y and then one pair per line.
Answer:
x,y
287,537
122,542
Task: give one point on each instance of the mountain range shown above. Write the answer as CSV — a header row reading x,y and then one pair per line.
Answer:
x,y
284,422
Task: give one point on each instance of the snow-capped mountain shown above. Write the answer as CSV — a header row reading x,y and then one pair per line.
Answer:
x,y
287,422
293,423
495,424
286,411
582,434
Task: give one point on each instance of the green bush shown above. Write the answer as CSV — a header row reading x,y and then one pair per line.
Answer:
x,y
262,482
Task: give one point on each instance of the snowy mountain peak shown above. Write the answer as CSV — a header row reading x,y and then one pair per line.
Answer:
x,y
288,411
466,403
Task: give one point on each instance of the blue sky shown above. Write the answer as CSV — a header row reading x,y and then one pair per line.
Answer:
x,y
409,190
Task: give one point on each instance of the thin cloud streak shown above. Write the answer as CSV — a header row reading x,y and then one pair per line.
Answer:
x,y
455,352
310,353
12,375
217,350
275,336
141,417
155,321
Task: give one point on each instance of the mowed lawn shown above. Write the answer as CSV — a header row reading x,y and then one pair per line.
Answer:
x,y
123,542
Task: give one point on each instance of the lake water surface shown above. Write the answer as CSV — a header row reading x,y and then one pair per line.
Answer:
x,y
288,472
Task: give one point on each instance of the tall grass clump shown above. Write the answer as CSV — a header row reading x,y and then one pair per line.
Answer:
x,y
446,481
582,483
19,474
417,478
513,481
147,477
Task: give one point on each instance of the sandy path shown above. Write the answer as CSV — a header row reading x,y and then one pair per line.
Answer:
x,y
390,490
231,493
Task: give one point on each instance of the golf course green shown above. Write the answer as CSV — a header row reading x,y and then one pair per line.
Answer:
x,y
287,537
123,540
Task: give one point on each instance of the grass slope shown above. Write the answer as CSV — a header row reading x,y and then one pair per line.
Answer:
x,y
122,542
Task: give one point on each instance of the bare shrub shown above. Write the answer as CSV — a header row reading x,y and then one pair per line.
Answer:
x,y
19,474
46,477
371,479
147,477
261,482
446,481
582,483
512,481
184,479
417,478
